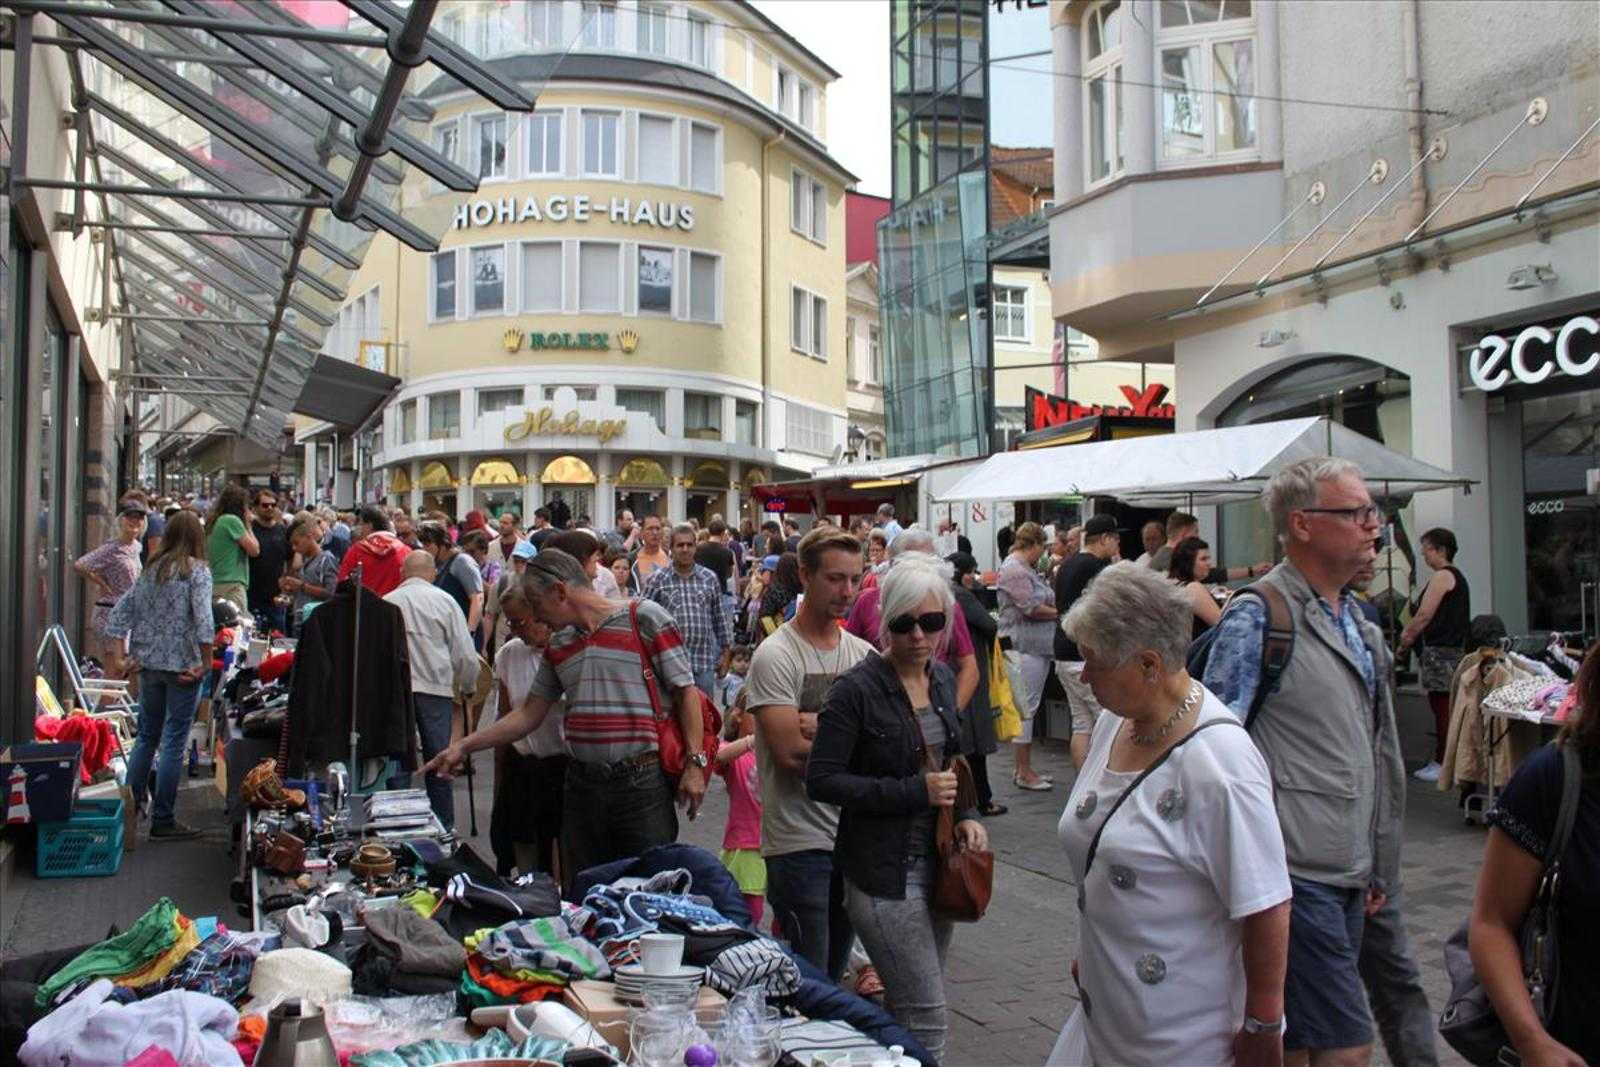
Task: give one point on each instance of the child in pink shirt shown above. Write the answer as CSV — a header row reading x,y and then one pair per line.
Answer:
x,y
741,841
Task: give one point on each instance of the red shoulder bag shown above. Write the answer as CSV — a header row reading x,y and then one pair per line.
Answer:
x,y
669,732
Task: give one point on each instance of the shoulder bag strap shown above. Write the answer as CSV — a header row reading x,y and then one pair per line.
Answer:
x,y
944,823
1094,844
1277,642
1567,814
644,660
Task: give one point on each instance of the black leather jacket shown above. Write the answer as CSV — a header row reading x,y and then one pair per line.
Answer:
x,y
867,759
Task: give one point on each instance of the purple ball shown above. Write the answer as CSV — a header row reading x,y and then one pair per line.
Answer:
x,y
700,1056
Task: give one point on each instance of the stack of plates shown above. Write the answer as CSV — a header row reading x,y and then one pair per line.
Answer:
x,y
632,982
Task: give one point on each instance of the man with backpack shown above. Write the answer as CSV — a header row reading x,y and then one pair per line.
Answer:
x,y
1297,661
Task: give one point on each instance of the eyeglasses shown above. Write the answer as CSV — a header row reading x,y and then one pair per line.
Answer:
x,y
931,622
1360,515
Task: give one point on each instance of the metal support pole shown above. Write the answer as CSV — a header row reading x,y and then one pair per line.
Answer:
x,y
406,52
138,316
175,194
194,231
298,247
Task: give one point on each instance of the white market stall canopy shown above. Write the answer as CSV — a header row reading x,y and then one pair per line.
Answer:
x,y
1200,467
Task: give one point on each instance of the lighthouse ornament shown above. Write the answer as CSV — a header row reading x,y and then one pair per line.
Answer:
x,y
17,804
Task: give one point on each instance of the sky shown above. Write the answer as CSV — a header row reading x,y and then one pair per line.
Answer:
x,y
853,37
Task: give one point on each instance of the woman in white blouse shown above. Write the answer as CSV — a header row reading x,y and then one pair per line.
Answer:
x,y
1175,846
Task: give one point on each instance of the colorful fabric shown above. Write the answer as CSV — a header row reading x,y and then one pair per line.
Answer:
x,y
609,715
695,604
744,802
166,622
500,989
158,968
118,566
421,901
151,935
494,1045
99,743
542,945
219,967
748,869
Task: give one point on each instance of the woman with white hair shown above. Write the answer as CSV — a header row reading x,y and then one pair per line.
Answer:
x,y
886,741
1174,842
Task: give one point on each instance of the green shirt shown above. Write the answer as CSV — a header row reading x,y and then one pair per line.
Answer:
x,y
229,564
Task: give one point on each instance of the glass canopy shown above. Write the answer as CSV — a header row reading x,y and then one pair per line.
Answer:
x,y
239,156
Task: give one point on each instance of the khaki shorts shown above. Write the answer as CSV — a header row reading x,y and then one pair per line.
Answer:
x,y
1080,698
235,592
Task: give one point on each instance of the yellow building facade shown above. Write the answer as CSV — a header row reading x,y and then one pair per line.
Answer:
x,y
643,305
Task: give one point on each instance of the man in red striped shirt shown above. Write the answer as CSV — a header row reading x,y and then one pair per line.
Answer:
x,y
618,801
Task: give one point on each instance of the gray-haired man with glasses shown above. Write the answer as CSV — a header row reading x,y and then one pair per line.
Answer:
x,y
1327,731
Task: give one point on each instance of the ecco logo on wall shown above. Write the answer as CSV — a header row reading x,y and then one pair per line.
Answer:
x,y
1489,374
1547,507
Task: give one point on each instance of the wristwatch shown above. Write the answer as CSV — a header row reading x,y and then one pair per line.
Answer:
x,y
699,759
1254,1026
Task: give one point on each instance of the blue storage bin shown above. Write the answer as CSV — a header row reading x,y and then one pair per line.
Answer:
x,y
87,845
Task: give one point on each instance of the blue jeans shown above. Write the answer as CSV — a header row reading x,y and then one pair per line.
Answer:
x,y
706,680
1324,1000
435,716
166,711
806,894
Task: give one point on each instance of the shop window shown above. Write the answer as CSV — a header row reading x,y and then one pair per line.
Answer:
x,y
652,35
808,429
705,158
808,206
493,400
444,416
699,41
658,154
581,393
542,131
542,276
444,285
702,416
600,145
655,280
651,402
705,284
1011,313
745,414
599,24
489,140
1208,83
1102,74
408,422
489,280
599,277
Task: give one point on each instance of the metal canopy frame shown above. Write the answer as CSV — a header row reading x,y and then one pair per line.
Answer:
x,y
241,158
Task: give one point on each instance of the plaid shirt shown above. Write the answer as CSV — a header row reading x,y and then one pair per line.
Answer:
x,y
695,604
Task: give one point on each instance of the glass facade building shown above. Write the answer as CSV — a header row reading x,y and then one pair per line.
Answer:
x,y
932,246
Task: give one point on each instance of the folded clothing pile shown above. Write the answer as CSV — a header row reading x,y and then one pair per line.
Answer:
x,y
406,954
527,960
94,1030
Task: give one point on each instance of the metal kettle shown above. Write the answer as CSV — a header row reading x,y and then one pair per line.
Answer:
x,y
297,1036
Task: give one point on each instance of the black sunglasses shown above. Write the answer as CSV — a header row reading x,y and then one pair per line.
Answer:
x,y
931,623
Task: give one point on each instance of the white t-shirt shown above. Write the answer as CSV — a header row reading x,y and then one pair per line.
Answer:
x,y
1193,850
516,665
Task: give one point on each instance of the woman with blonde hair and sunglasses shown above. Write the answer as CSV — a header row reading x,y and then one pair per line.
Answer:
x,y
883,753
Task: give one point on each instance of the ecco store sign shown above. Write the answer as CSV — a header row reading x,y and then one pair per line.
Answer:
x,y
1535,354
666,214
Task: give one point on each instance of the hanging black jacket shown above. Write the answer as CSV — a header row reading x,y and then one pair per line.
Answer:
x,y
324,660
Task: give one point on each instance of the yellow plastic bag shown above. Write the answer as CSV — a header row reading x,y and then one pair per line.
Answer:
x,y
1002,702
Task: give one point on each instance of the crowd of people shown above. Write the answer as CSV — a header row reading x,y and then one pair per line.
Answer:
x,y
1234,825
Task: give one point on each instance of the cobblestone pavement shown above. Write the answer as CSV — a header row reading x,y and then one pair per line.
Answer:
x,y
1008,984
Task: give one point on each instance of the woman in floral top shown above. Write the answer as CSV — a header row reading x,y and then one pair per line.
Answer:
x,y
167,617
111,570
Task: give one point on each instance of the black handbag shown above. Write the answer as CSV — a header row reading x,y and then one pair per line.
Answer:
x,y
1469,1023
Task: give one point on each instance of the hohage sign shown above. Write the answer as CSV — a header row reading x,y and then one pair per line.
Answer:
x,y
666,214
1490,370
544,422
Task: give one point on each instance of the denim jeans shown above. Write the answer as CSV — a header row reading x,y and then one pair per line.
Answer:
x,y
613,811
166,711
435,716
706,680
908,946
807,897
1394,988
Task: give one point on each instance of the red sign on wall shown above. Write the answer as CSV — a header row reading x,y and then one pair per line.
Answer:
x,y
1041,409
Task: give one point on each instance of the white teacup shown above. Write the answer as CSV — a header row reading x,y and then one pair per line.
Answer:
x,y
659,953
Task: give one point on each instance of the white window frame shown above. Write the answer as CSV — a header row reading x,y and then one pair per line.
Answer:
x,y
803,89
716,163
1025,305
647,11
505,281
699,24
403,437
674,151
783,94
583,142
583,394
806,223
433,284
874,354
431,398
561,297
435,135
815,423
476,120
597,15
622,277
1107,65
852,373
755,422
529,124
522,397
1206,37
688,288
541,16
809,344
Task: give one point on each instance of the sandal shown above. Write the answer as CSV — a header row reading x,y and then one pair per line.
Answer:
x,y
1042,785
991,809
868,984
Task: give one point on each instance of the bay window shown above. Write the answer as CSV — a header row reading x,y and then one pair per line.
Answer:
x,y
542,131
444,285
600,154
1102,72
1208,80
541,276
649,402
702,416
444,416
599,277
705,272
658,154
652,34
705,163
699,41
599,24
489,137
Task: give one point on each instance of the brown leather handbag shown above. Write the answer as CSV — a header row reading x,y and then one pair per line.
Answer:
x,y
963,880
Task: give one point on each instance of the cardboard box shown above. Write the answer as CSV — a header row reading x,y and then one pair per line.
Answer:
x,y
597,1003
39,782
